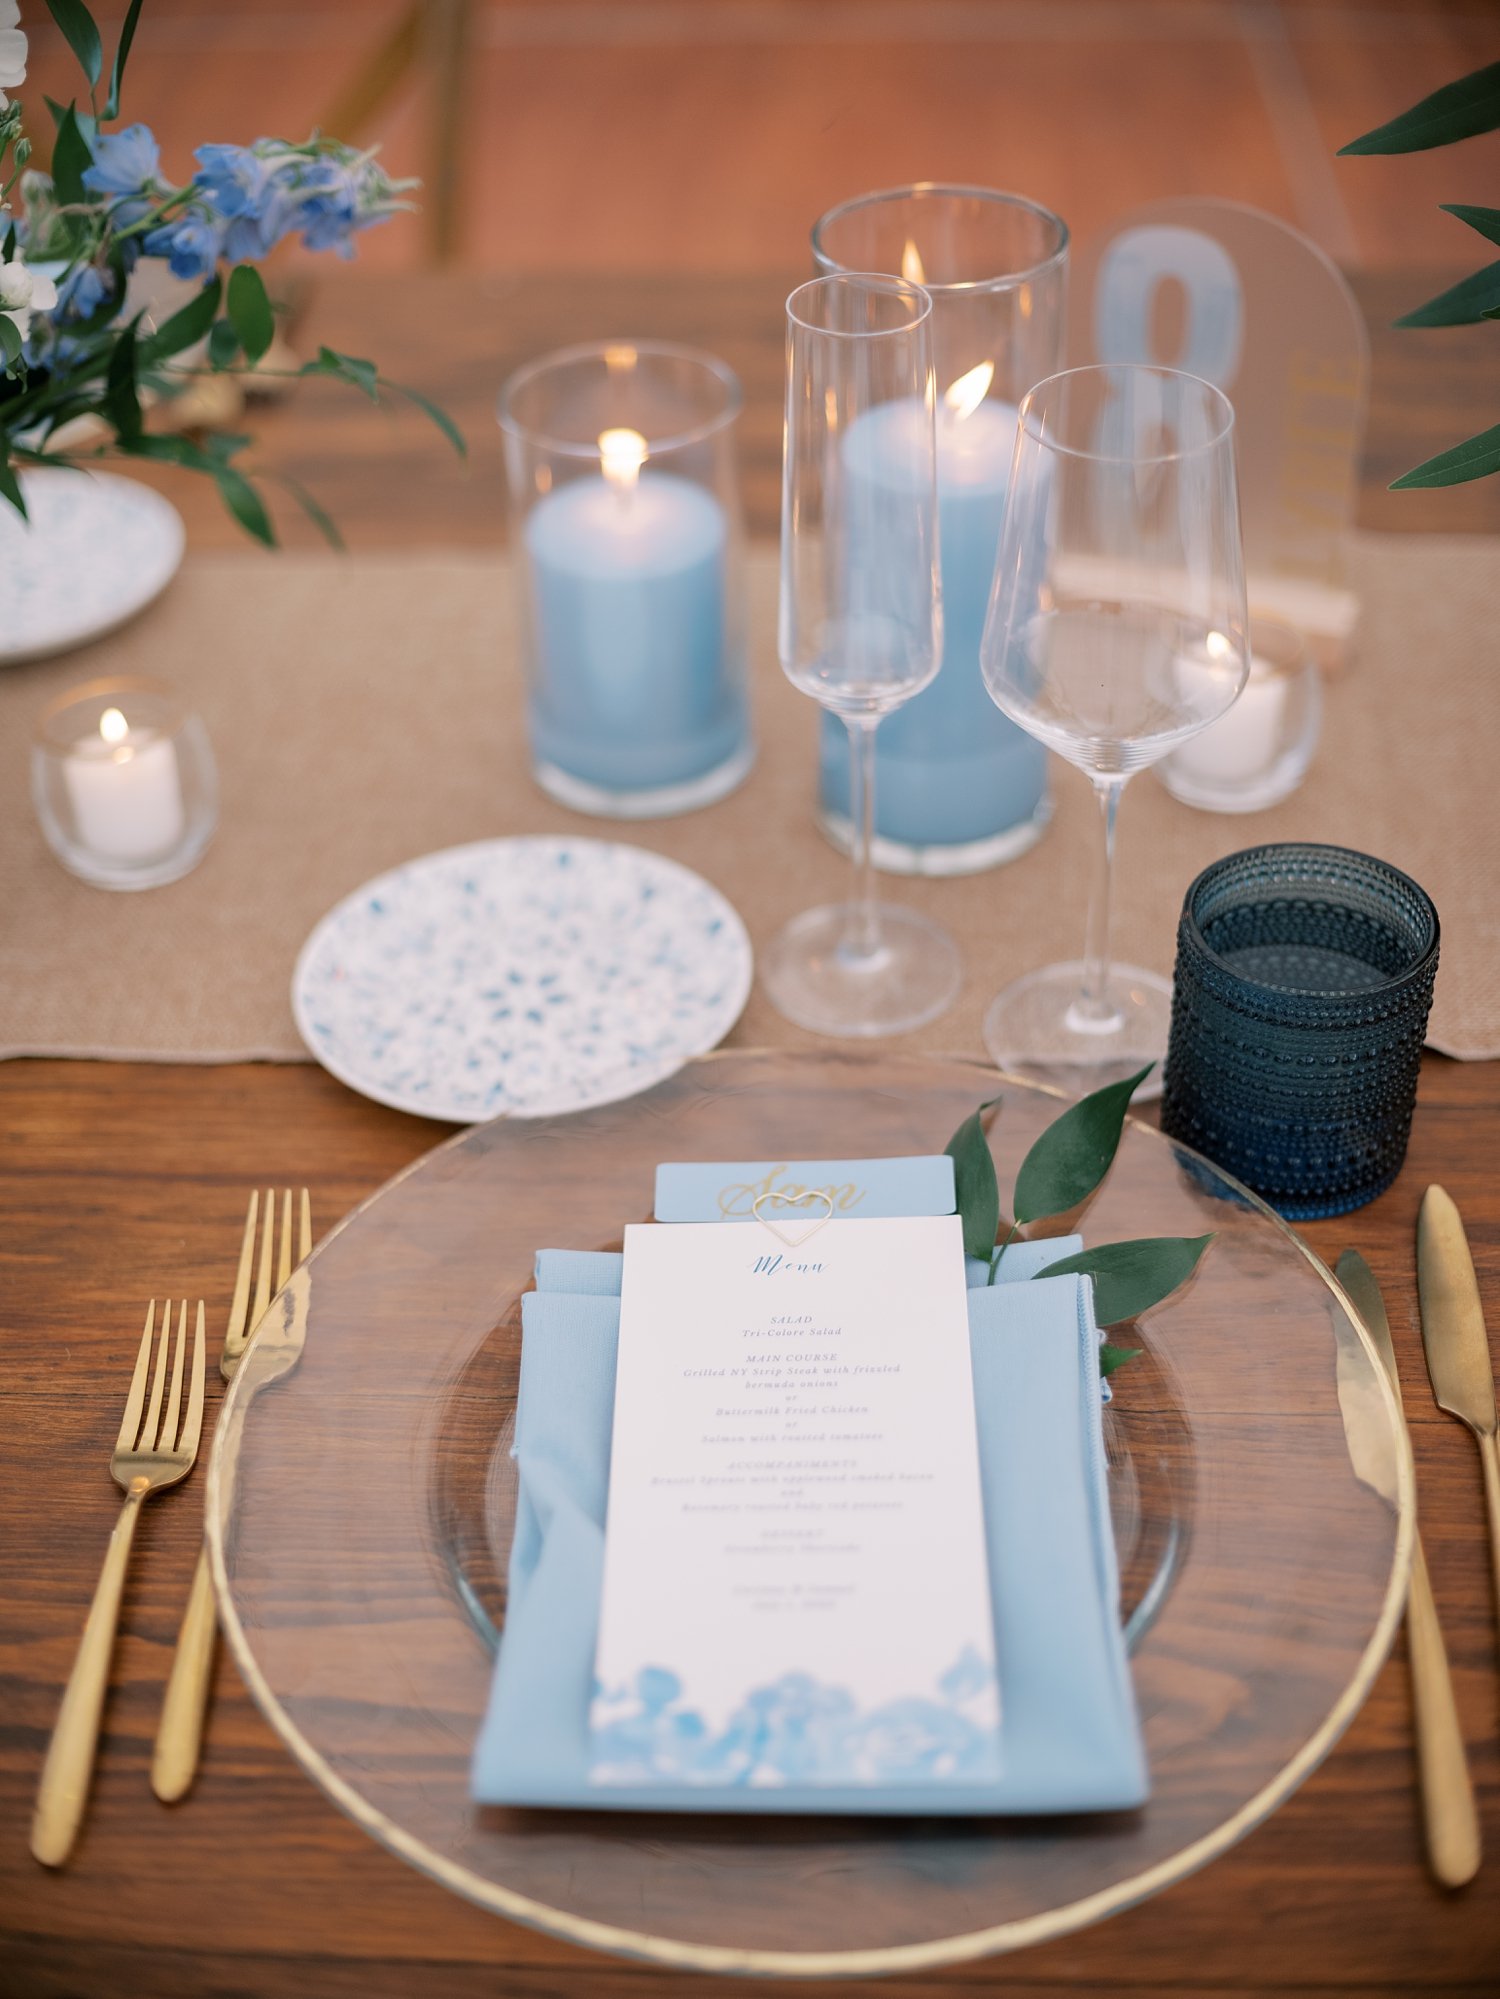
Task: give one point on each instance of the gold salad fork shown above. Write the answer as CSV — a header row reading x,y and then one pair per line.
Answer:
x,y
179,1733
149,1454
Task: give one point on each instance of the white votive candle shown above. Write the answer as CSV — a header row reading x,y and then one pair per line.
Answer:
x,y
125,790
1246,740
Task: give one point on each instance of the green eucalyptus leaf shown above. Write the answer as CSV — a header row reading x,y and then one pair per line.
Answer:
x,y
122,52
70,158
1462,304
122,402
168,450
250,311
10,341
1074,1153
185,328
81,34
1112,1359
245,504
974,1182
1457,111
438,415
316,513
223,345
10,489
1131,1277
1485,220
1476,458
363,375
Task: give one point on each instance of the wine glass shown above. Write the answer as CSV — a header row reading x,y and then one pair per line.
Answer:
x,y
860,626
1117,630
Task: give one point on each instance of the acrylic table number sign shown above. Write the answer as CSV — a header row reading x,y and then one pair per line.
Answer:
x,y
1239,298
796,1589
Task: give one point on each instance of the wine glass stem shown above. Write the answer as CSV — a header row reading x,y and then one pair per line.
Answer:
x,y
863,939
1094,1009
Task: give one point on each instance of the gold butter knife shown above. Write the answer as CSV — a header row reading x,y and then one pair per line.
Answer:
x,y
1458,1349
1449,1819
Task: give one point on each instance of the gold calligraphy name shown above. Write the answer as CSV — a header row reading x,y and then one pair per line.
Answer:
x,y
739,1197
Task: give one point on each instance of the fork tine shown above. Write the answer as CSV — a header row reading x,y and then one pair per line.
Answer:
x,y
284,1261
130,1422
168,1431
263,1275
304,1243
158,1380
193,1425
239,1310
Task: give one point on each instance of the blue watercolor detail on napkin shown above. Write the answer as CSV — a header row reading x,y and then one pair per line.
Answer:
x,y
799,1730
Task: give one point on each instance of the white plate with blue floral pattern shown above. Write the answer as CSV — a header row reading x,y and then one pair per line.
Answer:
x,y
93,552
522,977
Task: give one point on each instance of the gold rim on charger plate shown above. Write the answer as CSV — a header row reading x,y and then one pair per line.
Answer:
x,y
1002,1937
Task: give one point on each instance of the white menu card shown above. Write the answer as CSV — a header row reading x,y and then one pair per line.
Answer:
x,y
795,1583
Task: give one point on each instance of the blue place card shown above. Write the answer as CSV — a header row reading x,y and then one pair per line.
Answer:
x,y
860,1189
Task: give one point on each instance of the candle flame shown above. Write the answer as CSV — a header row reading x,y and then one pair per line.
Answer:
x,y
113,727
621,455
911,264
963,397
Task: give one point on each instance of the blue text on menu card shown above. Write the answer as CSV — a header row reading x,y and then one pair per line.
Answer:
x,y
795,1586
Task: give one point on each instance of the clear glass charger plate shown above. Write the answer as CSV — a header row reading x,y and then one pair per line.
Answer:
x,y
361,1497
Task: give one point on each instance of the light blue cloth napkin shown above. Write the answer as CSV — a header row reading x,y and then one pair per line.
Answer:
x,y
1070,1740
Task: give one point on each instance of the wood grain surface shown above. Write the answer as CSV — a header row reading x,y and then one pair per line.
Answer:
x,y
117,1181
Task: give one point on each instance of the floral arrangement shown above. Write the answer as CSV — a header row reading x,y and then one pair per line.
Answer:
x,y
73,342
1457,111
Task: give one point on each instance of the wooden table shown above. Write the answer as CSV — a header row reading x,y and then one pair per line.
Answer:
x,y
120,1179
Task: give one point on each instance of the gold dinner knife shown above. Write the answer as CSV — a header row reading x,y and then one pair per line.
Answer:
x,y
1458,1349
1449,1819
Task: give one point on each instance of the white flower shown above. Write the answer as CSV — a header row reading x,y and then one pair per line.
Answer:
x,y
23,292
12,49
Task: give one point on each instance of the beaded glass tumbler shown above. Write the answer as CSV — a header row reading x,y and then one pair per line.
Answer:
x,y
1304,980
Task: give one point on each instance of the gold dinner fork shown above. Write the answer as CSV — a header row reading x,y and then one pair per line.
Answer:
x,y
148,1455
179,1733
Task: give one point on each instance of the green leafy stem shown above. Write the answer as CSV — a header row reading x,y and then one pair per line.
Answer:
x,y
1062,1169
1458,111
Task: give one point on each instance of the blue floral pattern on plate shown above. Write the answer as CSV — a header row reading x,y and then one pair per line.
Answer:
x,y
521,977
97,550
799,1730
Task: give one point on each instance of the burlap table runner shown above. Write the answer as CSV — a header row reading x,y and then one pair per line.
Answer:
x,y
367,709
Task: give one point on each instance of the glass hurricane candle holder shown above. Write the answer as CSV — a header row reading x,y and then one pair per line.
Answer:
x,y
621,464
1259,752
124,783
961,787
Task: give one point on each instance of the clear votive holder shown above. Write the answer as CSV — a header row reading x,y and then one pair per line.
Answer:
x,y
1304,980
959,786
625,503
1258,751
124,783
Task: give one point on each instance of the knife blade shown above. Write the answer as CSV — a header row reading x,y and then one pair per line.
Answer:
x,y
1450,1822
1457,1346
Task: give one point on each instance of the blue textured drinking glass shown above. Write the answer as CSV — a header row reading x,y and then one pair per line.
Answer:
x,y
1304,981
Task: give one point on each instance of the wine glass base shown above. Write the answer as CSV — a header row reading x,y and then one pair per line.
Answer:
x,y
1033,1029
814,980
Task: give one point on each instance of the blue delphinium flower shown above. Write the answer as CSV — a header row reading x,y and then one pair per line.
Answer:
x,y
83,291
124,162
192,245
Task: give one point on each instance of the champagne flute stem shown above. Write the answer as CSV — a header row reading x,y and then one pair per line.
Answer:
x,y
863,940
1093,1008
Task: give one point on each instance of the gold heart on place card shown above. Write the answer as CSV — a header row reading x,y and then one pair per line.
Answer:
x,y
794,1201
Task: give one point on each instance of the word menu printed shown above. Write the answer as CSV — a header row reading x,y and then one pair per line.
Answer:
x,y
795,1584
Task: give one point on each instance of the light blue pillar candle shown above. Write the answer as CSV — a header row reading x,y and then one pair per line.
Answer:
x,y
958,785
636,689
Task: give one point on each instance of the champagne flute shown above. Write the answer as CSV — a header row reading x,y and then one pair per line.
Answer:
x,y
1117,630
860,626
